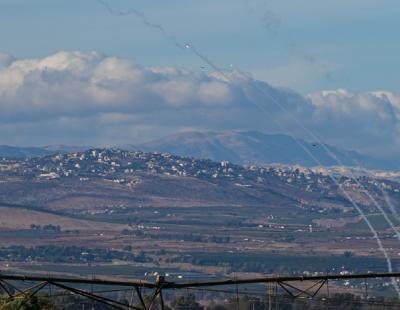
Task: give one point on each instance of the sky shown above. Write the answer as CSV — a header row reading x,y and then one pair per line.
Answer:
x,y
67,64
307,45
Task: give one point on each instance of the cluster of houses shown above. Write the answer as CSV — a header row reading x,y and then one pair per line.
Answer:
x,y
125,167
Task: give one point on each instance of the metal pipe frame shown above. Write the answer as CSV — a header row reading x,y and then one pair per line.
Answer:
x,y
161,284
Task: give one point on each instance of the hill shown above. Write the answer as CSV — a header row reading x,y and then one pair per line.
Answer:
x,y
179,213
253,147
159,178
22,152
7,151
239,147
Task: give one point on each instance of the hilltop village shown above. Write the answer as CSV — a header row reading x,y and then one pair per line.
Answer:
x,y
124,167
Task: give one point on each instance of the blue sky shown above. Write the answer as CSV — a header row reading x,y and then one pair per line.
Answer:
x,y
304,44
67,64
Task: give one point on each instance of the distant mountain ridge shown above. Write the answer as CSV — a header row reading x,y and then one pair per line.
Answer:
x,y
22,152
239,147
30,152
254,147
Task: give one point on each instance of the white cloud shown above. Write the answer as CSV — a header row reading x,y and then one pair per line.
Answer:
x,y
89,98
382,106
78,82
298,75
369,121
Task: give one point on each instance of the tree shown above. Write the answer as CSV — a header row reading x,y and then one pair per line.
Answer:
x,y
187,302
348,254
27,303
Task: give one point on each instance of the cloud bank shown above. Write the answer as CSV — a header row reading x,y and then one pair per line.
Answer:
x,y
369,121
92,99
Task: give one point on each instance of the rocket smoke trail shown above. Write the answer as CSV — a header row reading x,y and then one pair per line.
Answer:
x,y
204,58
207,61
389,203
311,134
144,20
315,138
162,30
345,193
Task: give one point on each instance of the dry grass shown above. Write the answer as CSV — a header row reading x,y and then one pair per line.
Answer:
x,y
14,219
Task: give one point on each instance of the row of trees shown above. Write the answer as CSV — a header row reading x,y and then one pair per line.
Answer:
x,y
49,227
69,254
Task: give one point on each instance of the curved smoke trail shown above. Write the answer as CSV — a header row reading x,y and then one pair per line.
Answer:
x,y
389,203
315,138
204,58
144,20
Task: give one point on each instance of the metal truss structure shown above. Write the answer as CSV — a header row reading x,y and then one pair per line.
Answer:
x,y
290,285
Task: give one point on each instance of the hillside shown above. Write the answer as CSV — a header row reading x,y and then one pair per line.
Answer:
x,y
239,147
253,147
180,214
155,178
